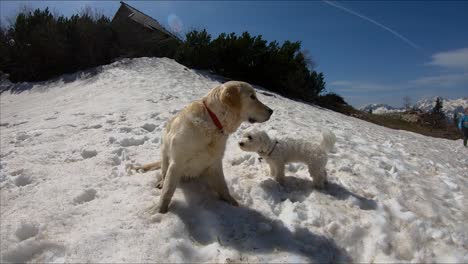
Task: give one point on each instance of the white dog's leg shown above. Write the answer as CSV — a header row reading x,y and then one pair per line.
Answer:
x,y
171,180
278,170
272,170
319,175
215,179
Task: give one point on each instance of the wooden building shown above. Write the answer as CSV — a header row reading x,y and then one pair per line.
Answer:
x,y
141,35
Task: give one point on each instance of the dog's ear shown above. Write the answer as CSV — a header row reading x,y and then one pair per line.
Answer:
x,y
231,96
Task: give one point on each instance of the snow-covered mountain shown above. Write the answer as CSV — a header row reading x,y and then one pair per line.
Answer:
x,y
393,196
380,109
450,106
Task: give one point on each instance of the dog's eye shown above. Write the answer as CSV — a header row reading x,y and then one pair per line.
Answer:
x,y
249,137
253,97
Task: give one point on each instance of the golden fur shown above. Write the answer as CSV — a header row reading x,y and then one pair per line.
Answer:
x,y
192,145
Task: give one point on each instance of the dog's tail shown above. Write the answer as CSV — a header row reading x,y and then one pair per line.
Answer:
x,y
147,167
328,140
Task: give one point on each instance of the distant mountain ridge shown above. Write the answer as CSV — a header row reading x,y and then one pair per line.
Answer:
x,y
380,108
450,106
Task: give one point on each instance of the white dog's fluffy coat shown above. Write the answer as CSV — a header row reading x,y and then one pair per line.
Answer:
x,y
277,153
193,145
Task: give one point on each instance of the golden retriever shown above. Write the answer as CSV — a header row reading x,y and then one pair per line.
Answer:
x,y
194,140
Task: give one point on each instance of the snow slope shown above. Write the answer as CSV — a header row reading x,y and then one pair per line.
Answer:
x,y
65,195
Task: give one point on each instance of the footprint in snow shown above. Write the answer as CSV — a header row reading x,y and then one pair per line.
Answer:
x,y
25,231
93,126
115,160
20,123
112,140
152,101
22,180
85,196
149,127
22,136
50,118
127,142
155,116
17,172
118,151
32,249
125,129
88,153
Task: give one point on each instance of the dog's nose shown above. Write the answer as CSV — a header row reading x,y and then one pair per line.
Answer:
x,y
270,111
241,144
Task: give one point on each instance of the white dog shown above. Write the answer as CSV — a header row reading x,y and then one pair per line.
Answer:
x,y
278,153
194,140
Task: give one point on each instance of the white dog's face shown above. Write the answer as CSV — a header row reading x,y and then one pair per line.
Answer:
x,y
242,97
254,141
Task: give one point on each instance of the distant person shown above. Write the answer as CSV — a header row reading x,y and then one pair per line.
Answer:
x,y
463,126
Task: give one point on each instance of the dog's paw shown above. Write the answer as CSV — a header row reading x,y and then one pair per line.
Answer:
x,y
163,210
156,208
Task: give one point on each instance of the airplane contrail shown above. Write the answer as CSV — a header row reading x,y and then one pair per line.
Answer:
x,y
396,34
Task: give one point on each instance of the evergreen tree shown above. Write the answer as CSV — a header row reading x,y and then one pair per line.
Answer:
x,y
437,115
40,45
455,119
438,106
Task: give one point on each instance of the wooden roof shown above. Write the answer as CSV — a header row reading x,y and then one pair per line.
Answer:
x,y
145,20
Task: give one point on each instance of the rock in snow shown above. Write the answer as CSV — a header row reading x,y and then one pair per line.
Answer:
x,y
393,196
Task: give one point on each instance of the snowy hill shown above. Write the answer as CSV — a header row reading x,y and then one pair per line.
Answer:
x,y
450,106
380,109
394,196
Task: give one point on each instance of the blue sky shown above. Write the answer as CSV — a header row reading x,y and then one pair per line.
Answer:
x,y
370,52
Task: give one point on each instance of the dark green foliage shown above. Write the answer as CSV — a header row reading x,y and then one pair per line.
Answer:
x,y
280,68
39,45
436,118
438,106
196,52
331,100
4,54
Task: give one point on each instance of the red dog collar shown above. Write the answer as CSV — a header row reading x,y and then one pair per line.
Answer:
x,y
214,118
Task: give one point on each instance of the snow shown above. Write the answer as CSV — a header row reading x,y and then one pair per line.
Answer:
x,y
381,109
393,196
449,106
